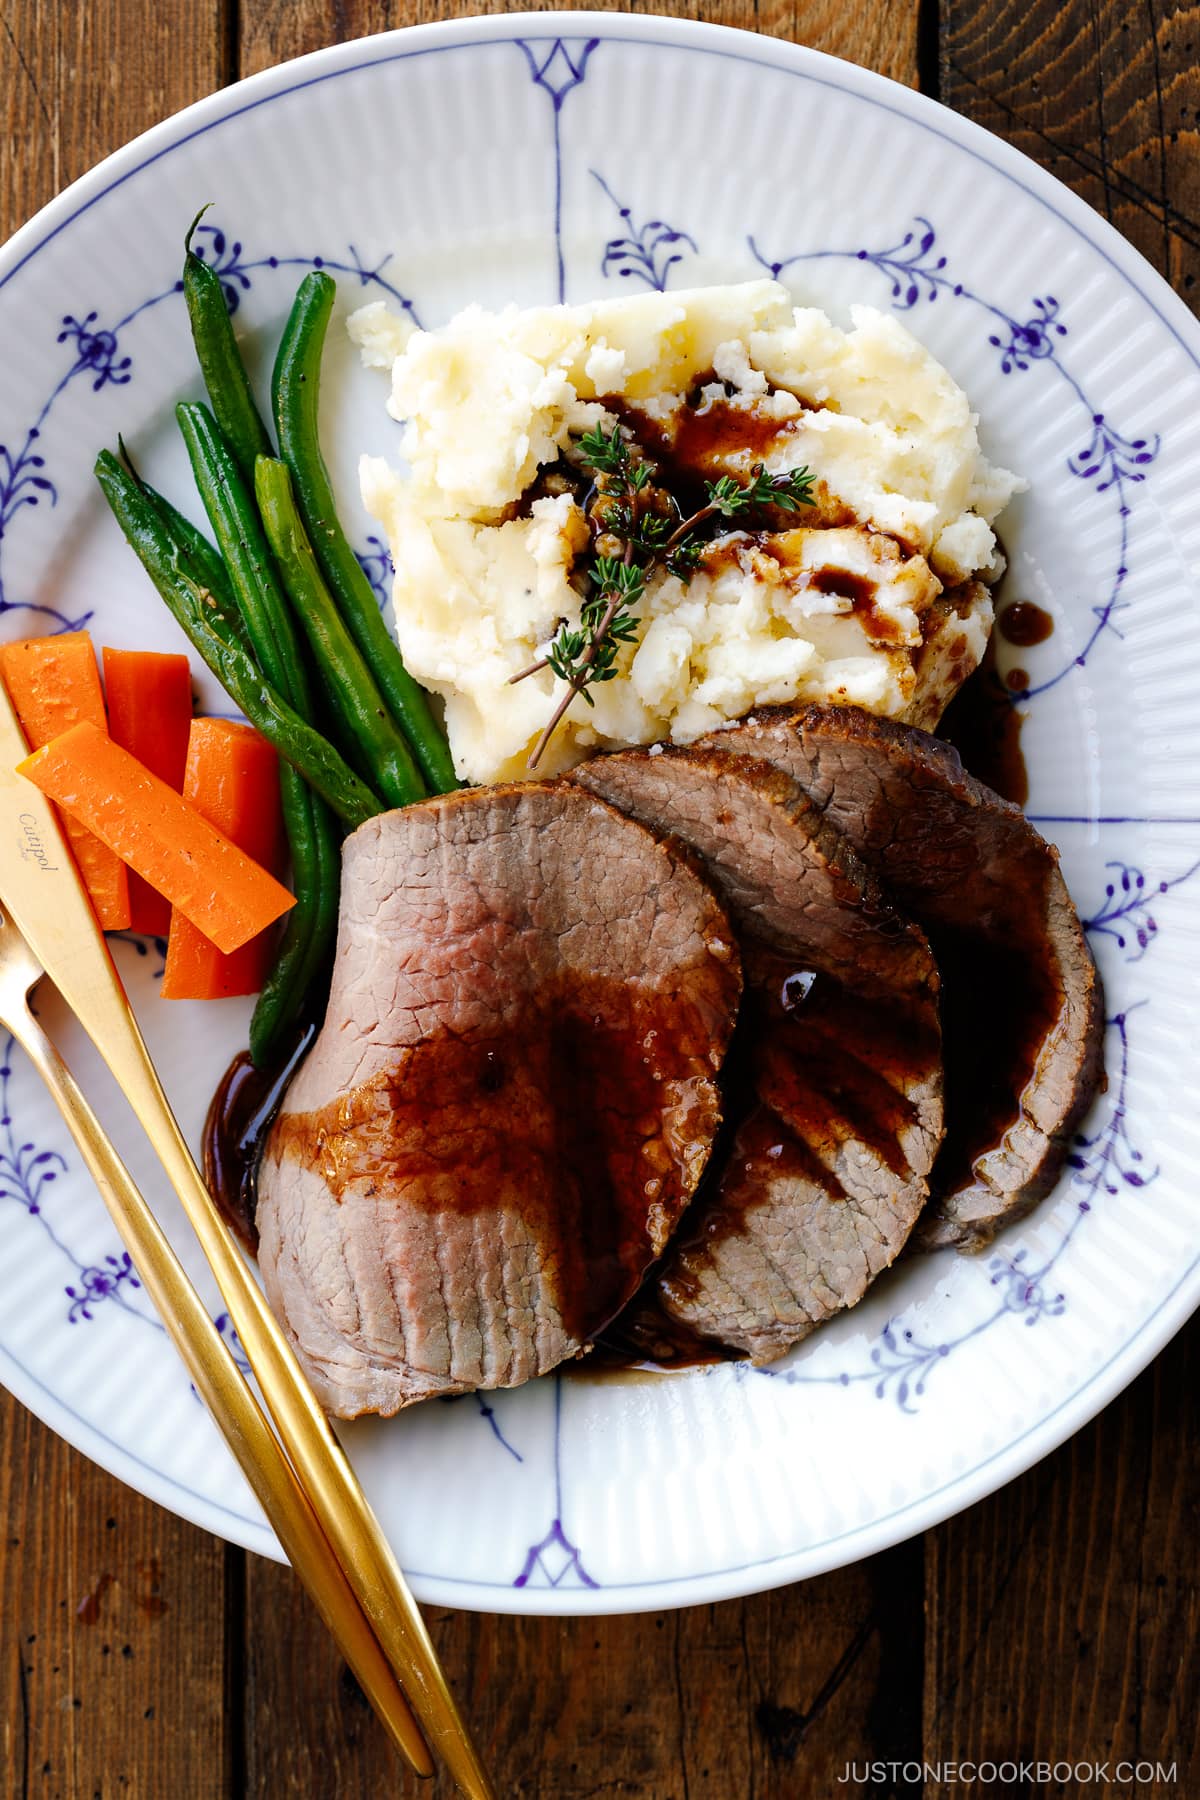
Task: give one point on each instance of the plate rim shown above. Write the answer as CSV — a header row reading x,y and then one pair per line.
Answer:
x,y
1106,1381
345,58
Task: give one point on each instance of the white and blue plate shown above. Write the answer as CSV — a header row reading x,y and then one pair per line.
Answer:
x,y
543,157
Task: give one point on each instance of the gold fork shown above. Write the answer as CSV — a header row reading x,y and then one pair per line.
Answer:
x,y
207,1358
42,892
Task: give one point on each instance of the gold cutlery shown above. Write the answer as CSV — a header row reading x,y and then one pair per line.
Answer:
x,y
42,891
207,1357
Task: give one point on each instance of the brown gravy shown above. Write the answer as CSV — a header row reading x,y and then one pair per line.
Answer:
x,y
240,1116
698,443
581,1117
846,584
984,725
713,432
1024,624
998,1002
808,1058
861,591
840,1058
1009,989
999,995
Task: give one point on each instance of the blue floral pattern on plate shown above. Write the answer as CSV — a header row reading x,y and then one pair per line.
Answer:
x,y
1115,463
1031,340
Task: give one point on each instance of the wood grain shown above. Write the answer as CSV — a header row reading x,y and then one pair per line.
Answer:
x,y
1064,1621
78,81
750,1700
1103,94
134,1701
1056,1620
879,35
112,1633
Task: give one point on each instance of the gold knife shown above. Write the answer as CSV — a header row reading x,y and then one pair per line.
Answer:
x,y
43,891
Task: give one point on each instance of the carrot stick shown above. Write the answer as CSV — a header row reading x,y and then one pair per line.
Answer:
x,y
149,697
53,684
232,778
153,829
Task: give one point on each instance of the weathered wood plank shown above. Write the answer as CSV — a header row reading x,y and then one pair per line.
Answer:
x,y
751,1700
79,81
1063,1614
871,32
112,1632
1102,94
132,1701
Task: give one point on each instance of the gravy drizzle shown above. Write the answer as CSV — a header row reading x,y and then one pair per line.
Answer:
x,y
984,725
584,1238
240,1116
1024,624
583,1116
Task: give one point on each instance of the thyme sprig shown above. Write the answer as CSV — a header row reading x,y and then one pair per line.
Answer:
x,y
626,512
605,623
611,453
791,490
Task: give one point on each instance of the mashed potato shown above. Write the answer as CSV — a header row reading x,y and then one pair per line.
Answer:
x,y
867,596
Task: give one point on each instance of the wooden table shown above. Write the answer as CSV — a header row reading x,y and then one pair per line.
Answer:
x,y
1058,1620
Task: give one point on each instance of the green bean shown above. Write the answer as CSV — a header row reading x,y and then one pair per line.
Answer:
x,y
360,708
196,610
153,522
201,558
295,390
277,649
309,926
316,863
311,831
233,514
220,359
201,554
229,503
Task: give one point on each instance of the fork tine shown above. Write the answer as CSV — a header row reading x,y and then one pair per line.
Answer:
x,y
15,952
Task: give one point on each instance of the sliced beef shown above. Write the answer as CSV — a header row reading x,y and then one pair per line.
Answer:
x,y
510,1103
838,1083
1023,1008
